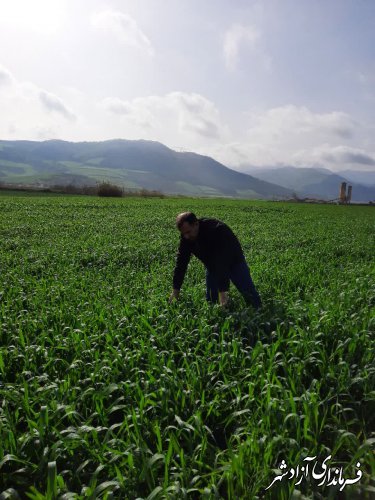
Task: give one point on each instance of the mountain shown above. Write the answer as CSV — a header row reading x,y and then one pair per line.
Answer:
x,y
132,164
313,182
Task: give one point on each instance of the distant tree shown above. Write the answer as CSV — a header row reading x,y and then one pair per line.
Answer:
x,y
146,193
108,189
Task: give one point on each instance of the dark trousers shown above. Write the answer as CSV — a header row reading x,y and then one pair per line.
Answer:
x,y
240,277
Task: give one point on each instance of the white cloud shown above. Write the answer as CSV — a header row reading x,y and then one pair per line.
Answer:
x,y
124,28
6,77
55,104
292,135
196,114
29,111
345,156
236,37
286,123
117,106
171,116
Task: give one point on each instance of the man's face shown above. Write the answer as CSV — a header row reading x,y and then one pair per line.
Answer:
x,y
190,231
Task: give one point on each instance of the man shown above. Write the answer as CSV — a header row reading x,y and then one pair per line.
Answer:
x,y
214,243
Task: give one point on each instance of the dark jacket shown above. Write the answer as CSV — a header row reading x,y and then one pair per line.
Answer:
x,y
216,246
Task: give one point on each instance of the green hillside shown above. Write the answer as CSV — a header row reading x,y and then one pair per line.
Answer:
x,y
131,164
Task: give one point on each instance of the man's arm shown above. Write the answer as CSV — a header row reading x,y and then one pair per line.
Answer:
x,y
182,261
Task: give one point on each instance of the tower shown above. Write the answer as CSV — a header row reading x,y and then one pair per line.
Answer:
x,y
342,196
349,195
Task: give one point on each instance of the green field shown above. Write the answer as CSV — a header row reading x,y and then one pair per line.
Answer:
x,y
107,391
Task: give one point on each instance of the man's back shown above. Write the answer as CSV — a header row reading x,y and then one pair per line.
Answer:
x,y
214,237
216,246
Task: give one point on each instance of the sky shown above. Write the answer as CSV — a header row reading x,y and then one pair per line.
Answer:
x,y
251,83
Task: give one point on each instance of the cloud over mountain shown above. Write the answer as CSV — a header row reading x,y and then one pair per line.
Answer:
x,y
291,135
346,155
174,113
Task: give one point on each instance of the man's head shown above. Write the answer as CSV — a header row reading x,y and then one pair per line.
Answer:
x,y
188,225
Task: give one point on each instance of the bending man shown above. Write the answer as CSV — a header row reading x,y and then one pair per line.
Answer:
x,y
214,243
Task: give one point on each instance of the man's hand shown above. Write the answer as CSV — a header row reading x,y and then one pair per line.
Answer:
x,y
223,299
174,295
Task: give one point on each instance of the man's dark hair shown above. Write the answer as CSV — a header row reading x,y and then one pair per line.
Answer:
x,y
185,217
